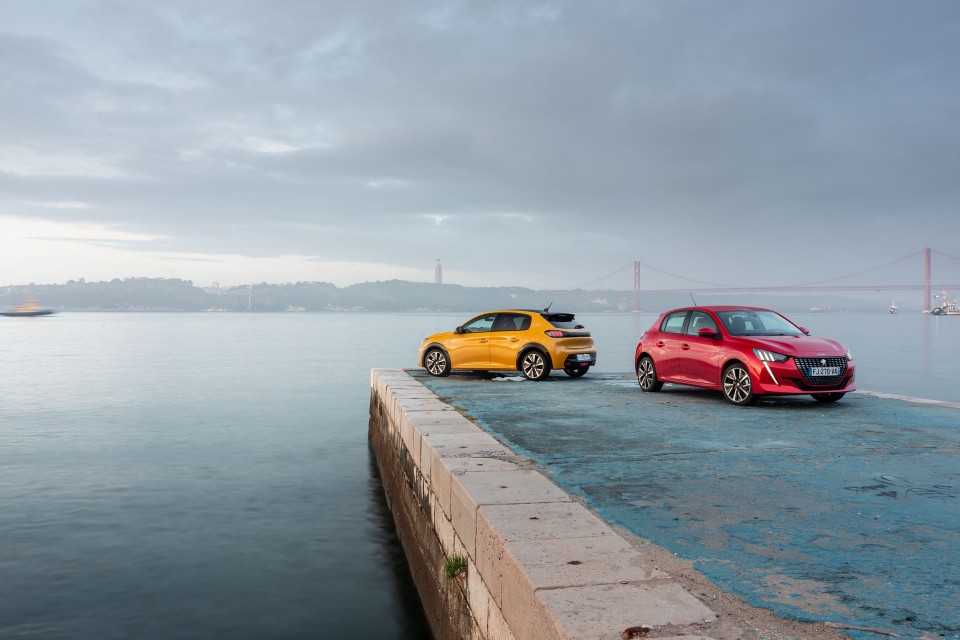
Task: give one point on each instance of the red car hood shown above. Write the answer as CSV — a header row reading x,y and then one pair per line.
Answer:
x,y
805,346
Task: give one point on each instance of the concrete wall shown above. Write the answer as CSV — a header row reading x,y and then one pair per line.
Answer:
x,y
539,565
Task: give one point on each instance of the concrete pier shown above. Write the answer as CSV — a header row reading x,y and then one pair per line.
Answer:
x,y
539,564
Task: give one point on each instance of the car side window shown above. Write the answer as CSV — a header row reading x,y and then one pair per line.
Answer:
x,y
673,323
480,324
511,322
700,320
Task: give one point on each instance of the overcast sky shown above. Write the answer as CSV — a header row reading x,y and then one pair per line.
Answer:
x,y
540,144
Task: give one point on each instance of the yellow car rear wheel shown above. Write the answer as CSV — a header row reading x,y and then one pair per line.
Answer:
x,y
534,365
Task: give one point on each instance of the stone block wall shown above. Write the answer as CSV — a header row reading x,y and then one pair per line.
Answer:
x,y
538,564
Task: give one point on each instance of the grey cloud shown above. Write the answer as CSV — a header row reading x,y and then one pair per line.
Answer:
x,y
332,128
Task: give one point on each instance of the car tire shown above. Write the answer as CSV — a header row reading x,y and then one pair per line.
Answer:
x,y
647,375
534,365
736,385
575,372
828,397
436,362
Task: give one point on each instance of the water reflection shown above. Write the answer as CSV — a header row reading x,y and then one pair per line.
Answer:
x,y
411,621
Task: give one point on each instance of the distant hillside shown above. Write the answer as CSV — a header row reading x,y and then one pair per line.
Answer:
x,y
170,294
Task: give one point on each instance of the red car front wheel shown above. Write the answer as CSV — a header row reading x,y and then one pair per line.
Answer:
x,y
736,384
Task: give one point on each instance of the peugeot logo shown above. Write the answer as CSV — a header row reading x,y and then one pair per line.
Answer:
x,y
823,362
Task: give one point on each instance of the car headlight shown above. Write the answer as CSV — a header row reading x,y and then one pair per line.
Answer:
x,y
770,356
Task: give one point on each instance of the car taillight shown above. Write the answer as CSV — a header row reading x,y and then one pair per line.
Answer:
x,y
554,334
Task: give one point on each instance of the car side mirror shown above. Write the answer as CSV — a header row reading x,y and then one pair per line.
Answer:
x,y
806,331
707,332
458,329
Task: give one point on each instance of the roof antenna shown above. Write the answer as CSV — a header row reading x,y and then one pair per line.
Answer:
x,y
548,307
694,300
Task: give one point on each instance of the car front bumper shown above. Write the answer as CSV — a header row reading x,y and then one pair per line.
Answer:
x,y
785,378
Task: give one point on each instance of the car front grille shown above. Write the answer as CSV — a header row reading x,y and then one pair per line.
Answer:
x,y
804,364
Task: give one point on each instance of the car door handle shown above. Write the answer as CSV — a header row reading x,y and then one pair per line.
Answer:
x,y
483,339
685,346
514,339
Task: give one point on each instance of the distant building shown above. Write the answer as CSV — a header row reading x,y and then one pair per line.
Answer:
x,y
438,273
215,290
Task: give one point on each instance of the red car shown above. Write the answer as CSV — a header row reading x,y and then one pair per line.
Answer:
x,y
745,352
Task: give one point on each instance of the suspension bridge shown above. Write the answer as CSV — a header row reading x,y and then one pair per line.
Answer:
x,y
912,272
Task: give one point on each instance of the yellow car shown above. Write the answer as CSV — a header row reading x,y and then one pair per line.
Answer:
x,y
532,342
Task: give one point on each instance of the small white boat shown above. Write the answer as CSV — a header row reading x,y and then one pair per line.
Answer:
x,y
945,306
893,307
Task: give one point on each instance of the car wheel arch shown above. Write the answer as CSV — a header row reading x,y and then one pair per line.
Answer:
x,y
533,346
727,363
636,362
433,345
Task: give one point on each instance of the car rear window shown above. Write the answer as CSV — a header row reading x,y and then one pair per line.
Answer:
x,y
674,322
562,320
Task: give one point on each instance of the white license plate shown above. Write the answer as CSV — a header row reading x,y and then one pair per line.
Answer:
x,y
816,372
583,357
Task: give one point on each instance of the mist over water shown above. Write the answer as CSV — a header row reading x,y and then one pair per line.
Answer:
x,y
193,475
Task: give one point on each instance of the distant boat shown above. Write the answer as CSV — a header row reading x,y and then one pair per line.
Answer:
x,y
820,309
296,308
945,306
28,309
893,307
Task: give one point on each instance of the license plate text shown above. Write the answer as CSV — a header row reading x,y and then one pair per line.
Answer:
x,y
824,371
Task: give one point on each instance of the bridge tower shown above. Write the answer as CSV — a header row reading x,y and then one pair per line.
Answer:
x,y
926,279
636,285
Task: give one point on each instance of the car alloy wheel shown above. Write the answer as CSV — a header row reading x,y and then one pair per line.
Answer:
x,y
737,387
534,365
647,375
436,362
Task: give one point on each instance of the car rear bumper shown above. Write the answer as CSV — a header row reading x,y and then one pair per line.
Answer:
x,y
571,360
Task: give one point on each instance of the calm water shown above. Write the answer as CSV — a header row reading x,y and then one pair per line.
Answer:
x,y
195,475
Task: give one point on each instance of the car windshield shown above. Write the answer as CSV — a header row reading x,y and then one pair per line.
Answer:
x,y
748,322
562,320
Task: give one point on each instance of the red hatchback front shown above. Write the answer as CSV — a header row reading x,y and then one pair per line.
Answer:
x,y
744,352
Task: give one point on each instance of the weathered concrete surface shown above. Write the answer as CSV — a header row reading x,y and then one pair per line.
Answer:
x,y
845,513
540,565
412,506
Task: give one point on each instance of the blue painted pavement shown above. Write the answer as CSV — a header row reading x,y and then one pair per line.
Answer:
x,y
846,513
